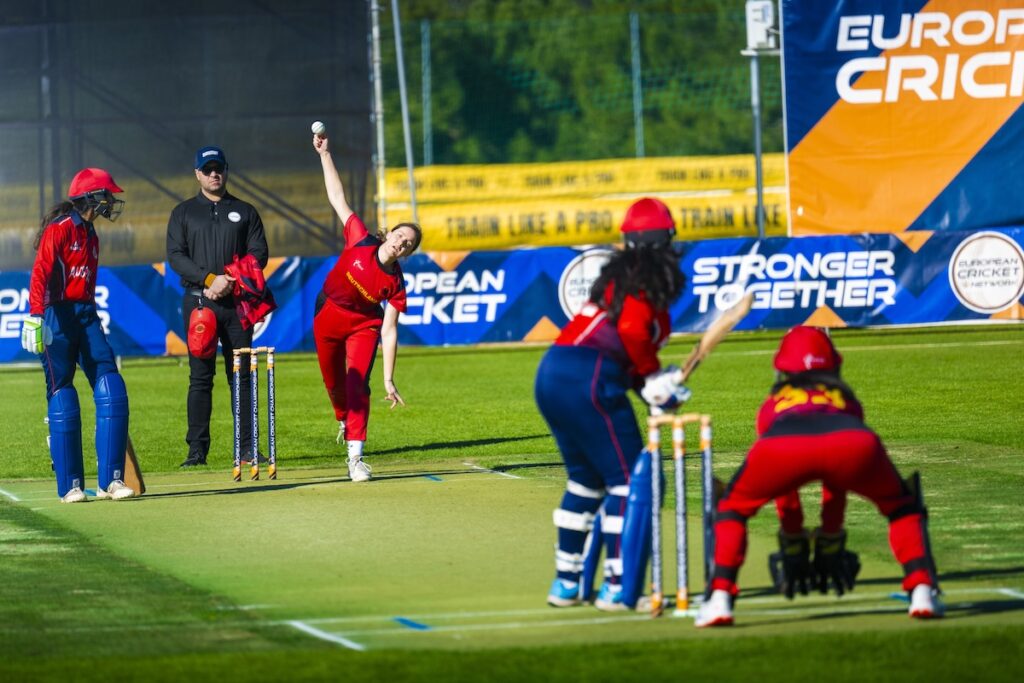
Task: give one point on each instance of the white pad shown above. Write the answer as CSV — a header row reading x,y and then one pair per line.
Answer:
x,y
574,521
612,524
578,489
568,562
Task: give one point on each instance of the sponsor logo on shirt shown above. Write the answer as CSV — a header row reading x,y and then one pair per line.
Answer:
x,y
234,217
360,288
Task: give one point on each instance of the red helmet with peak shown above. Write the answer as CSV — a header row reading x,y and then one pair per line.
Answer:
x,y
91,180
806,348
648,221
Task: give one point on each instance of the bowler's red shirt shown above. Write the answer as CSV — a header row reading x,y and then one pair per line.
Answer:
x,y
358,281
65,265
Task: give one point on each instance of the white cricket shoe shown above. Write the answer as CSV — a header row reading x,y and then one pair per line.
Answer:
x,y
925,603
75,495
358,470
340,438
715,611
116,490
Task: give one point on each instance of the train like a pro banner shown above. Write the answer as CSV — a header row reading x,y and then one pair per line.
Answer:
x,y
903,114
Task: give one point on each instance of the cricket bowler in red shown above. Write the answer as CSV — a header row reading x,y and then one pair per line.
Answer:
x,y
351,320
811,428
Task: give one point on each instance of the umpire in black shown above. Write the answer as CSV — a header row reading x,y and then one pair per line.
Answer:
x,y
204,234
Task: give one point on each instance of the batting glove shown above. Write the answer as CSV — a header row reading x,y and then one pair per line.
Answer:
x,y
662,389
35,334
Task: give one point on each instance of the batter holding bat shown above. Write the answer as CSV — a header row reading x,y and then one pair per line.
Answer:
x,y
351,320
582,386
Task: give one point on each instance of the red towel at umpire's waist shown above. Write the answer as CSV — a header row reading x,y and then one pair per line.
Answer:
x,y
254,299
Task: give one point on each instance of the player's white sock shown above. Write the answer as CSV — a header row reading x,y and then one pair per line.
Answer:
x,y
355,449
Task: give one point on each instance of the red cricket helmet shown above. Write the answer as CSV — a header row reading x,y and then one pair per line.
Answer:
x,y
806,348
202,333
91,180
648,221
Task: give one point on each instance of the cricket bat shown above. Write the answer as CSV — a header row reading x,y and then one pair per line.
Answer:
x,y
132,473
715,333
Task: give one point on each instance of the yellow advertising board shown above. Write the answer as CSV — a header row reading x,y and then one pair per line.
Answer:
x,y
654,176
574,221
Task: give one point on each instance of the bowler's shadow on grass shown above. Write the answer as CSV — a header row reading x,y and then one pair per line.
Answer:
x,y
253,487
469,443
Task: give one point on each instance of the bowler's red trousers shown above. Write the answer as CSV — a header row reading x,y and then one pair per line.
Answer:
x,y
846,460
346,345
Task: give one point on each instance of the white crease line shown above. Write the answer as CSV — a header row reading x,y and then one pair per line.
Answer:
x,y
10,495
431,617
484,469
324,635
880,597
501,626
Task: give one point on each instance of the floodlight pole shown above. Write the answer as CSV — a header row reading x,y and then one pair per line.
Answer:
x,y
755,107
406,132
762,39
378,115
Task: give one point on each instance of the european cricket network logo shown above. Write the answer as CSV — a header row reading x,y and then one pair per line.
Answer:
x,y
986,272
578,278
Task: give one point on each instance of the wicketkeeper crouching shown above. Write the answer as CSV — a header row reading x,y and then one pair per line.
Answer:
x,y
811,428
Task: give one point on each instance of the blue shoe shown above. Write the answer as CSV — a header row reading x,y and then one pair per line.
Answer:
x,y
564,593
609,598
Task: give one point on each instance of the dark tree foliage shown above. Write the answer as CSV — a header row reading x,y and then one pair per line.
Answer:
x,y
551,80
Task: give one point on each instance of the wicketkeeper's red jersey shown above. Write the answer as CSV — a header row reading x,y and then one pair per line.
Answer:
x,y
633,340
820,399
358,281
65,265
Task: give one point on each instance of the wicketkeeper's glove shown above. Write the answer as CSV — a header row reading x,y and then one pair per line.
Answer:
x,y
834,565
663,391
791,566
35,334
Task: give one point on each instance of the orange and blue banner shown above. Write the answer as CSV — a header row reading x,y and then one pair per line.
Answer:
x,y
903,115
910,278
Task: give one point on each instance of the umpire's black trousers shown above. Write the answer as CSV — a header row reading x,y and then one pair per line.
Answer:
x,y
201,372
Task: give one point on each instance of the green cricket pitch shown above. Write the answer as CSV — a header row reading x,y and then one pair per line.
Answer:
x,y
439,567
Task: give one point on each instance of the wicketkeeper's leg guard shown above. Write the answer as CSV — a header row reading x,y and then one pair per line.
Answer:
x,y
913,483
65,418
636,530
111,399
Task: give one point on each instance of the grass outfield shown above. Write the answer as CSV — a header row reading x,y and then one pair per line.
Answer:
x,y
439,566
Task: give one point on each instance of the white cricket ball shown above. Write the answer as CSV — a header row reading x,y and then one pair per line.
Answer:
x,y
319,128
